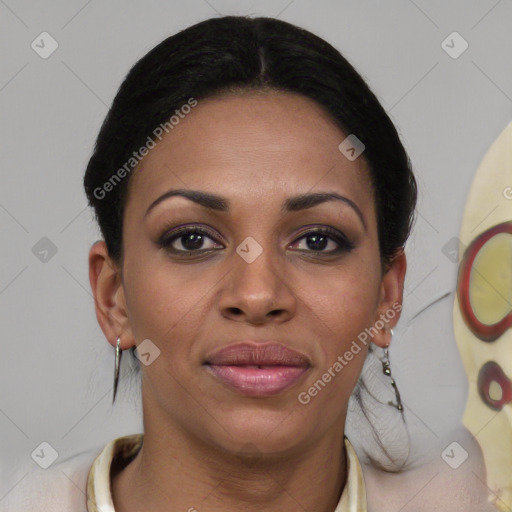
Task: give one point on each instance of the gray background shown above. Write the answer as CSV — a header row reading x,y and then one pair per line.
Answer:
x,y
56,366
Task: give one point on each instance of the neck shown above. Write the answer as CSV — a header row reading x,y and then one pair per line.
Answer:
x,y
175,472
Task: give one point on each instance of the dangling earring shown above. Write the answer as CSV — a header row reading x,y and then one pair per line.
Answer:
x,y
119,352
387,371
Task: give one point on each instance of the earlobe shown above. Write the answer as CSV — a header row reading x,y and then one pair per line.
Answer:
x,y
109,299
391,297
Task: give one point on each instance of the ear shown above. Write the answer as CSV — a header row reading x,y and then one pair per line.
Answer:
x,y
390,300
109,299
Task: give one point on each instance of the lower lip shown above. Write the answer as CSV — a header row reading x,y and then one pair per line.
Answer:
x,y
254,381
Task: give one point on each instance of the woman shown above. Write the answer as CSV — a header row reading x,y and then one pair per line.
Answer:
x,y
254,199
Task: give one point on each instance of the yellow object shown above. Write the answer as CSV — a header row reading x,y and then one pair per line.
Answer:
x,y
491,280
488,362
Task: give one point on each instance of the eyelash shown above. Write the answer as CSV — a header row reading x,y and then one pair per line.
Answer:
x,y
168,238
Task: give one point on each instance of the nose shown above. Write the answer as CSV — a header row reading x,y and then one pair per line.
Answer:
x,y
257,292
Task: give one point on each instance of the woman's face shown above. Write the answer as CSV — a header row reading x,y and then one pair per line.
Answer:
x,y
254,273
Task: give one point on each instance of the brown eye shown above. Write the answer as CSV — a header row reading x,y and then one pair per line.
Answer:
x,y
189,240
318,240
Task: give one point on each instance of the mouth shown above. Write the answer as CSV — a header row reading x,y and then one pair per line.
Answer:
x,y
257,369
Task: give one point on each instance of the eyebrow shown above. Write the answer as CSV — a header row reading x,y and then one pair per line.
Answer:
x,y
292,204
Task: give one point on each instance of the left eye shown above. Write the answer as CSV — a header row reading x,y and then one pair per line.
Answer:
x,y
319,239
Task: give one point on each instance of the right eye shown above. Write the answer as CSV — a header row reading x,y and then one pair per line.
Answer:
x,y
188,240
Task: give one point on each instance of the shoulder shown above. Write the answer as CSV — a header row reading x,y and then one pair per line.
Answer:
x,y
59,488
453,480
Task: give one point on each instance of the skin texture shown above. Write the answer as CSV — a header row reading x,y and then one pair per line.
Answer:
x,y
255,149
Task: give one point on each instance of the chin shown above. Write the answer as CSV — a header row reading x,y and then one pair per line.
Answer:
x,y
262,431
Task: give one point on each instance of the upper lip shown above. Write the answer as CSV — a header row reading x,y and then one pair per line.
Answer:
x,y
257,354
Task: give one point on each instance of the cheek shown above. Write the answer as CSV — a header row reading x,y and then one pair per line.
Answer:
x,y
340,305
163,300
343,301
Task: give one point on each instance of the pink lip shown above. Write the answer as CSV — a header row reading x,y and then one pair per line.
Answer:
x,y
256,368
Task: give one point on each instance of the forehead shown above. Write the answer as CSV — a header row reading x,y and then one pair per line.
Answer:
x,y
252,146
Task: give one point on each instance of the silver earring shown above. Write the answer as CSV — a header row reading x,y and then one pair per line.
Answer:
x,y
387,371
119,352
